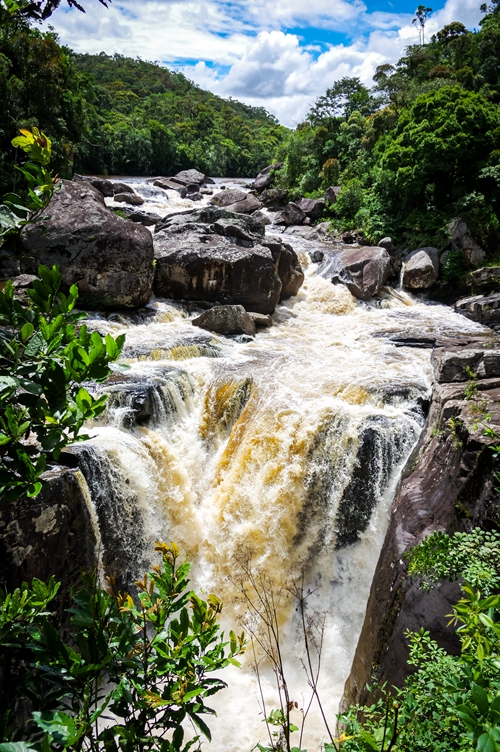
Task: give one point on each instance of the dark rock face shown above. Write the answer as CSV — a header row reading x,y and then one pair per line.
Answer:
x,y
421,268
261,217
487,279
484,309
312,207
122,188
129,198
391,250
216,255
102,185
331,194
449,486
169,185
226,319
148,220
462,240
362,270
109,258
265,177
52,534
292,214
246,206
260,320
274,197
225,198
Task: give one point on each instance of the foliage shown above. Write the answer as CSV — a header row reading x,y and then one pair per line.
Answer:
x,y
37,10
144,660
45,356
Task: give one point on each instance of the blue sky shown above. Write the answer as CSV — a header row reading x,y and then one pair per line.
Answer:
x,y
279,54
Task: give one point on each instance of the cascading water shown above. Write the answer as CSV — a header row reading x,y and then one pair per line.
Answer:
x,y
285,449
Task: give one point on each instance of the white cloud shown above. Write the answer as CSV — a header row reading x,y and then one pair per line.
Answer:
x,y
268,65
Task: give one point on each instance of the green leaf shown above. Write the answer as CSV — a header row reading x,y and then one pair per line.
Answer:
x,y
486,743
480,697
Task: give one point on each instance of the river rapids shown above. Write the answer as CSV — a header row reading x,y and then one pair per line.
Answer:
x,y
281,454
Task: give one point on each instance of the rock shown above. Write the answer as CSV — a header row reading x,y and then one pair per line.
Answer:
x,y
462,240
261,217
318,232
148,220
331,194
421,268
292,214
227,197
169,185
485,309
206,192
102,185
122,188
274,197
189,176
129,198
348,237
109,258
260,320
449,486
226,319
192,188
265,177
195,196
396,262
487,278
209,181
247,206
213,254
316,256
364,271
312,207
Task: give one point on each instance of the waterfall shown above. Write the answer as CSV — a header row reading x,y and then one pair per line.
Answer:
x,y
286,449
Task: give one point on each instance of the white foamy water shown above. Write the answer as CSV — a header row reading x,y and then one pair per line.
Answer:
x,y
286,450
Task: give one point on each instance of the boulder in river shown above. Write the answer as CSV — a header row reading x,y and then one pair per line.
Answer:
x,y
462,240
110,259
226,319
169,185
312,207
227,197
364,271
487,279
216,255
396,262
485,309
246,206
122,188
261,217
129,198
265,178
421,268
185,177
274,197
292,214
102,185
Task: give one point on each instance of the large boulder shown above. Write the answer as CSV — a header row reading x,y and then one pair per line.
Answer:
x,y
129,198
485,309
189,176
246,206
110,259
487,279
122,188
230,196
364,271
226,319
168,185
312,207
396,262
292,214
265,177
331,194
219,256
274,197
102,185
462,240
421,268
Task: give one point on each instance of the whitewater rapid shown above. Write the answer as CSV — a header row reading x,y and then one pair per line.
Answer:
x,y
283,451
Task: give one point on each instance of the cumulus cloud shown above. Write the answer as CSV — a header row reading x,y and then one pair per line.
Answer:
x,y
245,49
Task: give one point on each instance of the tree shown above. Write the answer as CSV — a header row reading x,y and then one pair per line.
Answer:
x,y
342,99
421,15
35,10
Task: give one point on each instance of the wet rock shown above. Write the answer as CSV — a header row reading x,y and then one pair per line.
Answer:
x,y
313,208
316,256
110,259
195,196
455,363
487,278
462,240
122,188
185,177
129,198
102,185
421,268
260,320
318,232
393,253
274,197
209,181
331,194
261,217
226,319
364,271
192,188
265,178
216,255
148,220
227,197
169,185
206,192
485,309
292,214
449,486
348,237
247,206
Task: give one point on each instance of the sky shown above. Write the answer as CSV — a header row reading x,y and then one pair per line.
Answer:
x,y
278,54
